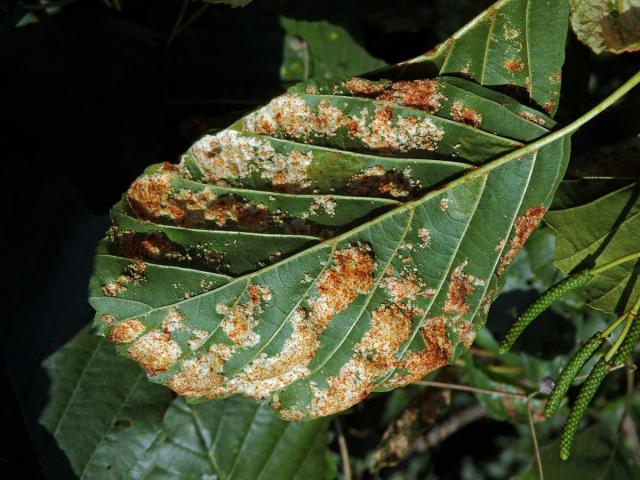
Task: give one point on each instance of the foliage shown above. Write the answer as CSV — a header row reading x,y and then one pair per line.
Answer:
x,y
116,86
283,290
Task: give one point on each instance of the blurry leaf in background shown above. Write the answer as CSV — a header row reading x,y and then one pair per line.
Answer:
x,y
597,232
112,423
600,162
607,25
102,412
418,417
597,455
232,3
322,51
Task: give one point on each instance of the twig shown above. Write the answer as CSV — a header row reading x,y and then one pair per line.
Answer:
x,y
534,437
450,426
468,388
187,23
344,451
176,26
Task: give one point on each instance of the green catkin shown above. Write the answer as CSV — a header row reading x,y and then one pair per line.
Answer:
x,y
587,391
569,373
541,304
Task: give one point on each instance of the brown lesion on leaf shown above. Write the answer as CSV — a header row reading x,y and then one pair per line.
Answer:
x,y
461,285
513,65
466,115
420,94
524,226
202,374
532,118
127,331
436,353
229,156
374,356
351,274
240,320
155,352
361,87
378,182
132,274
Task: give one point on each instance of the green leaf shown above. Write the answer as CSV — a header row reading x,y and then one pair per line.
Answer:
x,y
235,438
597,231
345,238
102,412
508,45
596,456
112,423
607,25
321,50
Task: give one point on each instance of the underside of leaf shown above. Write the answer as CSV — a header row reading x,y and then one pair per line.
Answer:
x,y
338,240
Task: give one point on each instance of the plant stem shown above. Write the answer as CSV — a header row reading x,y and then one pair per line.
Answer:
x,y
534,437
468,388
612,351
615,263
613,326
631,317
344,451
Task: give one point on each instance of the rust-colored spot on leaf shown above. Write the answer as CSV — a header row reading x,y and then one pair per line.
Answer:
x,y
126,331
362,87
461,285
155,352
435,354
373,357
421,94
338,286
524,227
466,115
239,320
513,65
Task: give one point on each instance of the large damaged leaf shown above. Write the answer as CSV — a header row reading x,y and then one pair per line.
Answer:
x,y
347,237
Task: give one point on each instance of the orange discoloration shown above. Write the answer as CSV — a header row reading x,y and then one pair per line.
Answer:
x,y
461,285
239,320
126,331
421,94
548,107
374,357
435,354
132,274
338,286
524,227
361,87
532,118
376,181
201,375
155,352
513,65
466,115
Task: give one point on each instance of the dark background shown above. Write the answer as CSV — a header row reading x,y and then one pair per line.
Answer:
x,y
91,94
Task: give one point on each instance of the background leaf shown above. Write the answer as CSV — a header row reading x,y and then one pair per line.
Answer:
x,y
112,423
606,25
597,231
